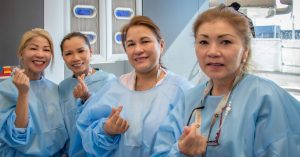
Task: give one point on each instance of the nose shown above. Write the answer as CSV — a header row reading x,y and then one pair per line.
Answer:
x,y
138,49
40,53
75,57
213,50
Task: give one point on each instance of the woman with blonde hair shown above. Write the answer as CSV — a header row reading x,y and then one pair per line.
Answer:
x,y
235,113
31,122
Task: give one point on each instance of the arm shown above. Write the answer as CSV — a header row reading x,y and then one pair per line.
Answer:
x,y
21,81
90,125
14,129
166,141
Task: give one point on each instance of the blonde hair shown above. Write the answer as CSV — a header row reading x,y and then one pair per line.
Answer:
x,y
28,36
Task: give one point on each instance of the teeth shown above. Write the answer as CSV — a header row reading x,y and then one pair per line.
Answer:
x,y
77,65
38,62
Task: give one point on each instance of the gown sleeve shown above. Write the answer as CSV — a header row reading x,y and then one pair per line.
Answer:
x,y
9,133
169,132
277,130
90,126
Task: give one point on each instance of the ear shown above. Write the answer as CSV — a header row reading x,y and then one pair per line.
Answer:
x,y
20,55
91,51
162,45
245,55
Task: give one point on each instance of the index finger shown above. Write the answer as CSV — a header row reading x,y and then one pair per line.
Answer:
x,y
82,76
198,119
195,128
116,115
81,79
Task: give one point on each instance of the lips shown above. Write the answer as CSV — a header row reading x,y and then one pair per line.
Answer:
x,y
215,64
39,62
140,59
77,64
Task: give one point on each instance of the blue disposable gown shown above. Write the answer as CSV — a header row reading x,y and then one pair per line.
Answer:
x,y
144,111
71,107
45,134
263,122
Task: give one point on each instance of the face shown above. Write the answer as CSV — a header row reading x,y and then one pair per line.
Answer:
x,y
143,49
36,56
219,50
76,55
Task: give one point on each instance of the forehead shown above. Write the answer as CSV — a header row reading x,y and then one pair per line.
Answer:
x,y
74,42
216,27
39,40
139,31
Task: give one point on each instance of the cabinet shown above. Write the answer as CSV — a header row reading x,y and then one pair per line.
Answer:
x,y
101,21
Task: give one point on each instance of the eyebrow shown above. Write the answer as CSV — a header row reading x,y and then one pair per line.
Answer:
x,y
142,38
81,48
220,36
36,45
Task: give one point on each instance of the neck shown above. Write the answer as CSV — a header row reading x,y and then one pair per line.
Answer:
x,y
148,80
33,76
223,86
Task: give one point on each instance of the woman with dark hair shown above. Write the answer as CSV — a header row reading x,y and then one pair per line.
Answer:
x,y
73,91
137,102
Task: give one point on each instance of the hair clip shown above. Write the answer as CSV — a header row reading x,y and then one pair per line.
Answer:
x,y
236,6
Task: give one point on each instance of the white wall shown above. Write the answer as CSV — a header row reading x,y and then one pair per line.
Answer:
x,y
54,23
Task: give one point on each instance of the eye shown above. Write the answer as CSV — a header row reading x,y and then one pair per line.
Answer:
x,y
145,41
67,53
32,48
225,42
81,50
48,50
130,44
202,42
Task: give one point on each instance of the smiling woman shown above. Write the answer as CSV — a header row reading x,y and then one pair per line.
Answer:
x,y
35,53
76,52
139,100
30,115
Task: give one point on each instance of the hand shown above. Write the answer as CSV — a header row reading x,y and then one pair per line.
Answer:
x,y
81,90
191,142
21,81
115,124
